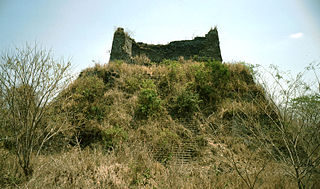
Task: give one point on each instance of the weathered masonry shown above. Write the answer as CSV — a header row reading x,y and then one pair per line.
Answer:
x,y
125,48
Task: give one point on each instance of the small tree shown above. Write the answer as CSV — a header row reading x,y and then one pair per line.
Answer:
x,y
287,123
249,167
29,80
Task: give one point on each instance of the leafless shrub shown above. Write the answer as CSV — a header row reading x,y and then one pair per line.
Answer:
x,y
29,80
286,124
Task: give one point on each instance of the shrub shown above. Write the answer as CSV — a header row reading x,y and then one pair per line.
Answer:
x,y
174,71
86,99
100,71
185,104
149,103
202,83
171,77
113,136
96,135
211,79
132,84
168,62
87,109
219,74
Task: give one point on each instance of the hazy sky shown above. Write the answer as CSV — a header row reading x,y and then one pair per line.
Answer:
x,y
281,32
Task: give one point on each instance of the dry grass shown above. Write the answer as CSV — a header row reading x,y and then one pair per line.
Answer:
x,y
131,162
133,167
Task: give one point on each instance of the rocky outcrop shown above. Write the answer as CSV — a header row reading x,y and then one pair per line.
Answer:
x,y
125,48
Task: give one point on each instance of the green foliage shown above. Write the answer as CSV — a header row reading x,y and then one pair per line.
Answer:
x,y
87,99
149,103
132,84
148,84
185,104
211,81
99,71
219,74
87,109
202,83
94,134
168,81
113,136
169,62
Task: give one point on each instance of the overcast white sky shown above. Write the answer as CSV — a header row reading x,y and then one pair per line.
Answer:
x,y
281,32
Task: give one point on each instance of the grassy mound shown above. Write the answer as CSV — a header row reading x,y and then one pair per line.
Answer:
x,y
122,103
177,124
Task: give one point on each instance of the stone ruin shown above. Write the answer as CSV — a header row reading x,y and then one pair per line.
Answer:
x,y
125,48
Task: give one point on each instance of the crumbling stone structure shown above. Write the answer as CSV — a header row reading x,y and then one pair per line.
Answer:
x,y
125,48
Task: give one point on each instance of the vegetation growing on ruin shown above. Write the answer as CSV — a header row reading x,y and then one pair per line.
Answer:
x,y
174,124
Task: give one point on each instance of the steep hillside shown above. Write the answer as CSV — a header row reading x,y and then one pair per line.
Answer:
x,y
163,105
175,124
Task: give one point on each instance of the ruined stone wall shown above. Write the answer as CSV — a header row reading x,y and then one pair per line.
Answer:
x,y
125,48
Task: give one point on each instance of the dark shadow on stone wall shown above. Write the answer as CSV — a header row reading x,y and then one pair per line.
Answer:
x,y
125,48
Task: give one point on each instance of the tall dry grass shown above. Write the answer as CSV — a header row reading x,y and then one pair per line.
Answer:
x,y
119,149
